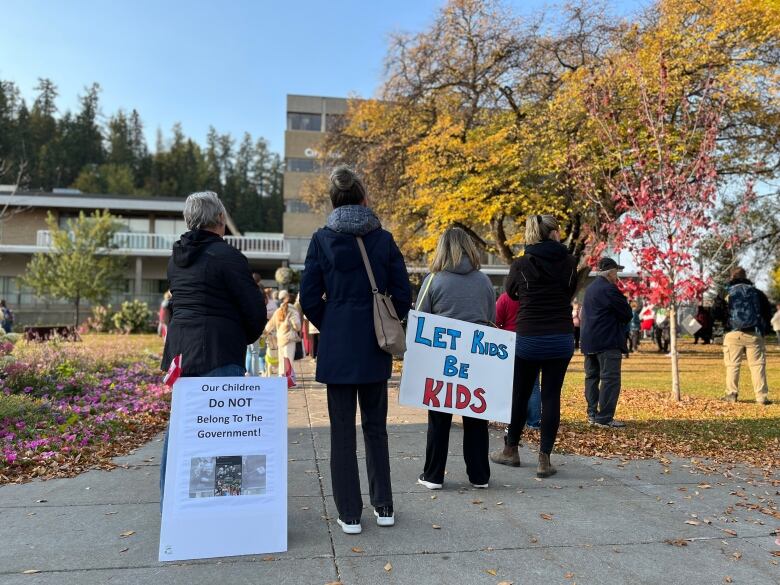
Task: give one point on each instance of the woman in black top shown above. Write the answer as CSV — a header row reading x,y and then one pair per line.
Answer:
x,y
544,280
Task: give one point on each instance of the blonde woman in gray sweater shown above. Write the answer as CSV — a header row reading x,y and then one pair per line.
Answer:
x,y
456,288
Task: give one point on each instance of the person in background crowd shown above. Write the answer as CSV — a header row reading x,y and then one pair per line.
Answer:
x,y
506,318
576,317
164,315
350,361
647,320
662,329
634,328
271,304
747,315
544,280
456,288
286,325
255,352
605,314
776,323
218,309
704,318
6,317
314,339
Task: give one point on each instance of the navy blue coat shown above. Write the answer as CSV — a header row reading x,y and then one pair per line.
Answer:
x,y
348,352
605,313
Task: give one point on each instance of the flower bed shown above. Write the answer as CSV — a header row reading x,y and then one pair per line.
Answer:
x,y
65,407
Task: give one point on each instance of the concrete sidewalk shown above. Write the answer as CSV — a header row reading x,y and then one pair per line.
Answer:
x,y
596,522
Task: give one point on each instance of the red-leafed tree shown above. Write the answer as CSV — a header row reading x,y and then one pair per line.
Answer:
x,y
656,189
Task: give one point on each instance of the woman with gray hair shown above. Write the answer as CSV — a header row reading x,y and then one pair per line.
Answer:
x,y
218,309
544,280
456,288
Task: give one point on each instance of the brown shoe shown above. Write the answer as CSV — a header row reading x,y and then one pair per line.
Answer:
x,y
545,468
506,456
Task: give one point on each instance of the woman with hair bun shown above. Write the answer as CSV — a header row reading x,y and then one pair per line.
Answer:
x,y
544,280
337,298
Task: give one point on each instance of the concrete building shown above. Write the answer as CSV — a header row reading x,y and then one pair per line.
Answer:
x,y
149,227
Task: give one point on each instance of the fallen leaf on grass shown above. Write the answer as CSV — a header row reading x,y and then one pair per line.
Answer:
x,y
357,549
546,516
388,567
491,572
127,533
30,571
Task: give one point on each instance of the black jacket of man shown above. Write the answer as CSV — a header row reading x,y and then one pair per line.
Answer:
x,y
217,308
605,314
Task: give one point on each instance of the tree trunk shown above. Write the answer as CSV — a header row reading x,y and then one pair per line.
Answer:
x,y
77,304
673,349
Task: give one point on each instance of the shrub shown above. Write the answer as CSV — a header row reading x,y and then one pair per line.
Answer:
x,y
102,319
14,406
132,317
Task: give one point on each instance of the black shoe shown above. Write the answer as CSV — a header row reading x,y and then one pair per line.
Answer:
x,y
730,398
765,403
384,516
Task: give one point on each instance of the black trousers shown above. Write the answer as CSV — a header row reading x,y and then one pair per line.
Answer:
x,y
476,444
342,408
602,384
526,371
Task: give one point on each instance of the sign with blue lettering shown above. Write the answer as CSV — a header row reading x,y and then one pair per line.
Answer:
x,y
226,469
458,367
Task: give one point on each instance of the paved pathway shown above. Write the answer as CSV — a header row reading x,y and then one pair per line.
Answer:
x,y
596,522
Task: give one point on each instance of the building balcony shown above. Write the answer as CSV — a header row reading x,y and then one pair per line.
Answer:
x,y
260,246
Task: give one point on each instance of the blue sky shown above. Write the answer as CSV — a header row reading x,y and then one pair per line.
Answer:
x,y
228,64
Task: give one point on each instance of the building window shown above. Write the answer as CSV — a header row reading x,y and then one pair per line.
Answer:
x,y
296,206
174,227
333,122
303,165
133,225
298,121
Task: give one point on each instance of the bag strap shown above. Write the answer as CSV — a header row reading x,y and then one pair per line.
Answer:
x,y
425,291
367,264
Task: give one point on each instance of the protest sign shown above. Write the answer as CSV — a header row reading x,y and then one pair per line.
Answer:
x,y
226,472
458,367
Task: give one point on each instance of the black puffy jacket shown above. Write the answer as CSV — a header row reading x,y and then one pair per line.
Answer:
x,y
217,307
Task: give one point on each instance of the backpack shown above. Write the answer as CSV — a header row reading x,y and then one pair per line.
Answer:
x,y
744,307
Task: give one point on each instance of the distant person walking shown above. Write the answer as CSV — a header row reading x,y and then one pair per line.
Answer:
x,y
605,314
647,320
286,325
456,288
747,315
6,317
218,309
164,315
506,318
776,323
704,318
350,360
544,280
662,329
576,317
634,328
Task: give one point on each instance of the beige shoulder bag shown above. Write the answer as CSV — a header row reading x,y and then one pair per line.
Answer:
x,y
389,333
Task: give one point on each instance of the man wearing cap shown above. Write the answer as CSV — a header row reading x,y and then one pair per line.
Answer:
x,y
605,314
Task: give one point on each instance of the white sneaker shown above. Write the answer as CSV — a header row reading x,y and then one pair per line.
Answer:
x,y
384,516
480,486
429,484
350,528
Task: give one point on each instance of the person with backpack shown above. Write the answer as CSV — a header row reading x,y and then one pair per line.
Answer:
x,y
286,325
7,317
337,297
747,314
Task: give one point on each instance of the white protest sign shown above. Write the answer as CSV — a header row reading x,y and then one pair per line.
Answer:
x,y
458,367
226,472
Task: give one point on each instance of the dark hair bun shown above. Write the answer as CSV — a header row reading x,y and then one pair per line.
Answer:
x,y
342,178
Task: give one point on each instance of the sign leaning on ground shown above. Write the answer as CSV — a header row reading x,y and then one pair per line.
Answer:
x,y
226,471
458,367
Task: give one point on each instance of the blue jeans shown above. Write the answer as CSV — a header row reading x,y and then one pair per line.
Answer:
x,y
230,370
534,416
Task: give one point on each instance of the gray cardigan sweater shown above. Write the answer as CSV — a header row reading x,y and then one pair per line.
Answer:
x,y
459,293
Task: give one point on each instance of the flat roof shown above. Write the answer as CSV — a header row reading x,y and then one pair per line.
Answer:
x,y
92,201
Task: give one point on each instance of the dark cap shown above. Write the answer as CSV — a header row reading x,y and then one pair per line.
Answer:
x,y
609,264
